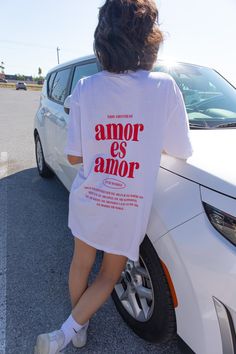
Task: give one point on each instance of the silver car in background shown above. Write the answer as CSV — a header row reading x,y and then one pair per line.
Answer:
x,y
21,86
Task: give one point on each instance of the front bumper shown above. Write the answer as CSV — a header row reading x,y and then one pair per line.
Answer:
x,y
202,265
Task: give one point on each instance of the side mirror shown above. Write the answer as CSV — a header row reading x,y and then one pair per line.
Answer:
x,y
67,104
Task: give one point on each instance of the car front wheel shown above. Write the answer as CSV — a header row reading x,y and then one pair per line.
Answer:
x,y
143,299
43,168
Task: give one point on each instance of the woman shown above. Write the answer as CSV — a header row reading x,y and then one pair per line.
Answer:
x,y
121,119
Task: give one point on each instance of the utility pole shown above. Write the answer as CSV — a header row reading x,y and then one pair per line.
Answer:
x,y
58,49
2,67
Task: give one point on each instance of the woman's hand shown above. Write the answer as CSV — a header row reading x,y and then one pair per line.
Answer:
x,y
73,160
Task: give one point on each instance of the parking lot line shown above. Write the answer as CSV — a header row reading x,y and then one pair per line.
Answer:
x,y
3,164
3,264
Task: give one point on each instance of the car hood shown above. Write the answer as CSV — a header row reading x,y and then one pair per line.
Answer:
x,y
212,163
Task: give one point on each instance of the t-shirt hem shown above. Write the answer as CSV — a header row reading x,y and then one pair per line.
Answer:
x,y
106,249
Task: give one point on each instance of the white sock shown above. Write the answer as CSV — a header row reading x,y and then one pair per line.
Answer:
x,y
70,327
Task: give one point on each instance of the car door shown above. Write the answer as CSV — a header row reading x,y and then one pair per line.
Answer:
x,y
44,118
55,113
65,170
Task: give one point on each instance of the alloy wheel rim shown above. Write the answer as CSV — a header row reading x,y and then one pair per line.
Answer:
x,y
135,290
39,155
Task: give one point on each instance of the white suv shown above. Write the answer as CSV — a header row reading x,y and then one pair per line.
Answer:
x,y
185,279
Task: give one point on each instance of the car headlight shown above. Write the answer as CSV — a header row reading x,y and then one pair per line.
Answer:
x,y
222,222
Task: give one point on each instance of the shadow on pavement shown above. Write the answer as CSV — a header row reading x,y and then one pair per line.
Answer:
x,y
39,251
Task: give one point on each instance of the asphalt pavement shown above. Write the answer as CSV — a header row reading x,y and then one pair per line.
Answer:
x,y
36,247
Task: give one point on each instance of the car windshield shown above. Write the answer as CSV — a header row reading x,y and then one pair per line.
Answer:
x,y
210,99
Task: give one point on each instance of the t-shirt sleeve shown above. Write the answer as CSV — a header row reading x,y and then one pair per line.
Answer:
x,y
74,142
177,138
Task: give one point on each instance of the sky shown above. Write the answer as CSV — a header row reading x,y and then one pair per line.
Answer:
x,y
196,31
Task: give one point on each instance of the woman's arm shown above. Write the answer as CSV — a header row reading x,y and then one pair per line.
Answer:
x,y
73,146
73,160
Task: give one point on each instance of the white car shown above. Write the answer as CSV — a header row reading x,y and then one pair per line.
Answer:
x,y
185,279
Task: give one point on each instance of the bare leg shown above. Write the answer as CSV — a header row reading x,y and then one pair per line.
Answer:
x,y
99,291
82,262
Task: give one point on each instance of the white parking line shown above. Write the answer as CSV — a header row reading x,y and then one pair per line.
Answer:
x,y
3,164
3,264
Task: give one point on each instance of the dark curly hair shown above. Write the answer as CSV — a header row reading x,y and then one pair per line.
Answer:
x,y
127,36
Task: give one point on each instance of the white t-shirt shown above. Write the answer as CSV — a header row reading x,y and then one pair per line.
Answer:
x,y
120,124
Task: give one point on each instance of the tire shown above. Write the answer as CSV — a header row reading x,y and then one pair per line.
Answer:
x,y
43,168
158,325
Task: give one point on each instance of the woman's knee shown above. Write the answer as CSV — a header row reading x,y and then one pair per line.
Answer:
x,y
112,267
108,278
82,266
84,255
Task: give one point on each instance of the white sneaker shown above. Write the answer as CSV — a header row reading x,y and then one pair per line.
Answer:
x,y
49,343
80,338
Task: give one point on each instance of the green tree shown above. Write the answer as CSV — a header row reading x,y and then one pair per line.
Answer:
x,y
39,71
20,77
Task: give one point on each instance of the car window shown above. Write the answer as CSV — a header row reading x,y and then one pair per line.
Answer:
x,y
210,100
59,87
50,82
83,70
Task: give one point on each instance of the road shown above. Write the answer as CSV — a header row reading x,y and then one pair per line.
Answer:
x,y
36,247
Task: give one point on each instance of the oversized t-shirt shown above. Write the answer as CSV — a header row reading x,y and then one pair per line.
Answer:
x,y
120,124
